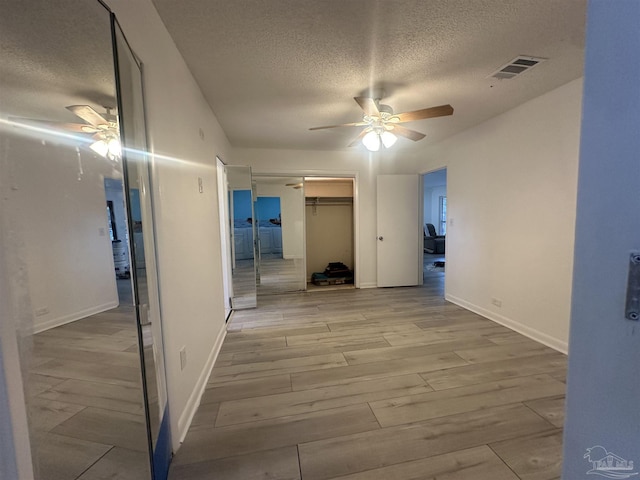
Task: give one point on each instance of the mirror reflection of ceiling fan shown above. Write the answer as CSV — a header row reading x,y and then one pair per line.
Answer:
x,y
104,128
382,125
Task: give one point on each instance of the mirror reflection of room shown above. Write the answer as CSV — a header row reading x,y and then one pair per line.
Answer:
x,y
242,235
280,234
77,251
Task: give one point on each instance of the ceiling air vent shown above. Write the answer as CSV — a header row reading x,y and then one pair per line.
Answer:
x,y
516,67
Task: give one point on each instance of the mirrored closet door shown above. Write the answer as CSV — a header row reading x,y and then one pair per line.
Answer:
x,y
280,229
76,199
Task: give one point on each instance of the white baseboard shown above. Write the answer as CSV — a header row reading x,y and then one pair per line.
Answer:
x,y
552,342
184,422
72,317
368,285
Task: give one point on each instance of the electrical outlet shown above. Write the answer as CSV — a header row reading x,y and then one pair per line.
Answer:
x,y
183,358
496,302
41,311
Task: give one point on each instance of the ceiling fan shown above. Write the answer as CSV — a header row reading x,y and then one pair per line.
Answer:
x,y
104,128
382,125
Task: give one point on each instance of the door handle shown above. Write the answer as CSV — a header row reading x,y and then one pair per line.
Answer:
x,y
381,238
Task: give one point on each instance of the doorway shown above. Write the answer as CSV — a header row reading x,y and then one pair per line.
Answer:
x,y
329,228
434,223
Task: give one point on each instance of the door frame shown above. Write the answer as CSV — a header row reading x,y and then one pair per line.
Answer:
x,y
422,174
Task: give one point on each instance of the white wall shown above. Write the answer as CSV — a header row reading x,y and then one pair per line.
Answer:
x,y
187,223
511,193
356,162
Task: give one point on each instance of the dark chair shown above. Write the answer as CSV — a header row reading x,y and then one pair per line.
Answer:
x,y
433,243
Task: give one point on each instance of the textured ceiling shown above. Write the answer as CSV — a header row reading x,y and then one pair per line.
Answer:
x,y
54,54
271,69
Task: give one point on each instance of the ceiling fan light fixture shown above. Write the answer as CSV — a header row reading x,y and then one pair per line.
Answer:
x,y
388,139
108,148
114,149
100,147
372,141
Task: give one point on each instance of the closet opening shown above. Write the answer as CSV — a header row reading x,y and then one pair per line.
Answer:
x,y
329,224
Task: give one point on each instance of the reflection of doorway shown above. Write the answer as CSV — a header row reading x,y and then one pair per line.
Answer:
x,y
435,214
279,226
269,227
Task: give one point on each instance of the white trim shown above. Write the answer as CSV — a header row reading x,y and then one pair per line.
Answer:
x,y
57,322
368,285
190,409
532,333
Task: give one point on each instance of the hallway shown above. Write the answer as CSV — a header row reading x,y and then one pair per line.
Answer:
x,y
376,384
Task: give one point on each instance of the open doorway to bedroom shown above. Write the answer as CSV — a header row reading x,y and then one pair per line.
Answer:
x,y
434,223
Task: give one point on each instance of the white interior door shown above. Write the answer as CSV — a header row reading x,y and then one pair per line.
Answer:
x,y
398,231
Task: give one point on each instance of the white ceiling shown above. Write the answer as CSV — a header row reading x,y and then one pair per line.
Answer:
x,y
270,69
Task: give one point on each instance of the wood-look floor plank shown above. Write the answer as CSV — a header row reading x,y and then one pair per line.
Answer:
x,y
304,401
54,461
415,408
119,464
333,457
107,427
357,357
440,335
44,415
278,464
232,345
256,387
208,444
479,463
275,367
372,371
93,394
281,354
504,352
341,341
534,457
552,409
264,333
205,417
494,371
88,342
128,376
68,352
37,384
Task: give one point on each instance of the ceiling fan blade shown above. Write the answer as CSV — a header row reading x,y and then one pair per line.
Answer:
x,y
368,105
358,139
405,132
72,127
88,114
356,124
441,111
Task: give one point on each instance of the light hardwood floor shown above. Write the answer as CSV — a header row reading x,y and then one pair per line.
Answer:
x,y
85,399
376,384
